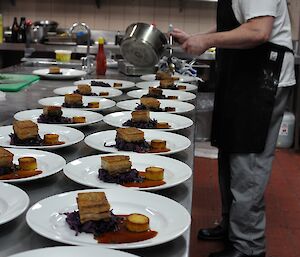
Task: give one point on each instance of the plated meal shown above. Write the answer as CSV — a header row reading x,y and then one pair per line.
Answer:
x,y
128,170
159,93
86,89
141,119
76,101
27,134
118,84
55,72
14,202
167,84
26,167
154,105
57,115
121,219
132,139
136,140
161,75
118,169
73,251
19,165
148,120
95,216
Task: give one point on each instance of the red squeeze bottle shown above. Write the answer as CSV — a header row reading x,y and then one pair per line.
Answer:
x,y
101,58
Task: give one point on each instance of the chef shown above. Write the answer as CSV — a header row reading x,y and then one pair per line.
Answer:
x,y
255,72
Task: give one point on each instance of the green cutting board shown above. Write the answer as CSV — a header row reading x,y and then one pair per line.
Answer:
x,y
15,82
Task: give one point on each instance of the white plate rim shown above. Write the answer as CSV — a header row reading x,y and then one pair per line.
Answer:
x,y
139,92
80,113
68,171
108,119
29,152
75,251
185,217
155,83
111,103
44,73
42,127
123,105
25,202
129,84
60,91
111,134
182,78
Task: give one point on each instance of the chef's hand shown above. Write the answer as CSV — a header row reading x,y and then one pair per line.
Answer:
x,y
179,35
196,44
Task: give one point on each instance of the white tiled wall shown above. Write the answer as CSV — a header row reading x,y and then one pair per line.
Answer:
x,y
114,14
118,14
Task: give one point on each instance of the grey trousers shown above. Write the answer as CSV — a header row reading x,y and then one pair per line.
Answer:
x,y
243,179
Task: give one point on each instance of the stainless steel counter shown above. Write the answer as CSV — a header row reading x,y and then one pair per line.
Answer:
x,y
81,49
16,236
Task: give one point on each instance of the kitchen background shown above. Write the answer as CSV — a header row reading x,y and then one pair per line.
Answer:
x,y
192,16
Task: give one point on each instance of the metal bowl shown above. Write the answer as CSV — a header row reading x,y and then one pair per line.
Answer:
x,y
143,45
49,26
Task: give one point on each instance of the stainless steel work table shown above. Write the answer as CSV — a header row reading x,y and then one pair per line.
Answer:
x,y
16,236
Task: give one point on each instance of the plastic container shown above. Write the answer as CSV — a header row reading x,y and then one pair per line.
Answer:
x,y
286,132
63,55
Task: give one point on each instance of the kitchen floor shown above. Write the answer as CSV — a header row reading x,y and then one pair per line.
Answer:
x,y
282,201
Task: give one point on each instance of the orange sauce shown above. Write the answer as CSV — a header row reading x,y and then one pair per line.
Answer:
x,y
20,174
158,150
146,183
58,143
124,235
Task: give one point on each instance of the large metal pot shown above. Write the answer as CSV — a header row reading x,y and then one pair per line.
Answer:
x,y
143,44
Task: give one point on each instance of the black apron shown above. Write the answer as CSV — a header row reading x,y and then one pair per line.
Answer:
x,y
247,81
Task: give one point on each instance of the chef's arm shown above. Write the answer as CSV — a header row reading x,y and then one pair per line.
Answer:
x,y
250,34
212,30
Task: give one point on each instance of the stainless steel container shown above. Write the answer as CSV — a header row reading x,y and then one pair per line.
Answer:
x,y
37,33
49,26
143,44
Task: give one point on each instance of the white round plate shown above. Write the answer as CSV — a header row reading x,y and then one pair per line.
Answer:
x,y
169,218
112,92
175,142
49,163
155,83
180,107
116,119
85,170
182,78
125,84
73,251
181,95
59,100
68,135
13,202
66,74
91,117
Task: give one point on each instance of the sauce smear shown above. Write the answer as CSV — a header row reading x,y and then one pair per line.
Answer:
x,y
158,150
124,235
144,184
20,174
